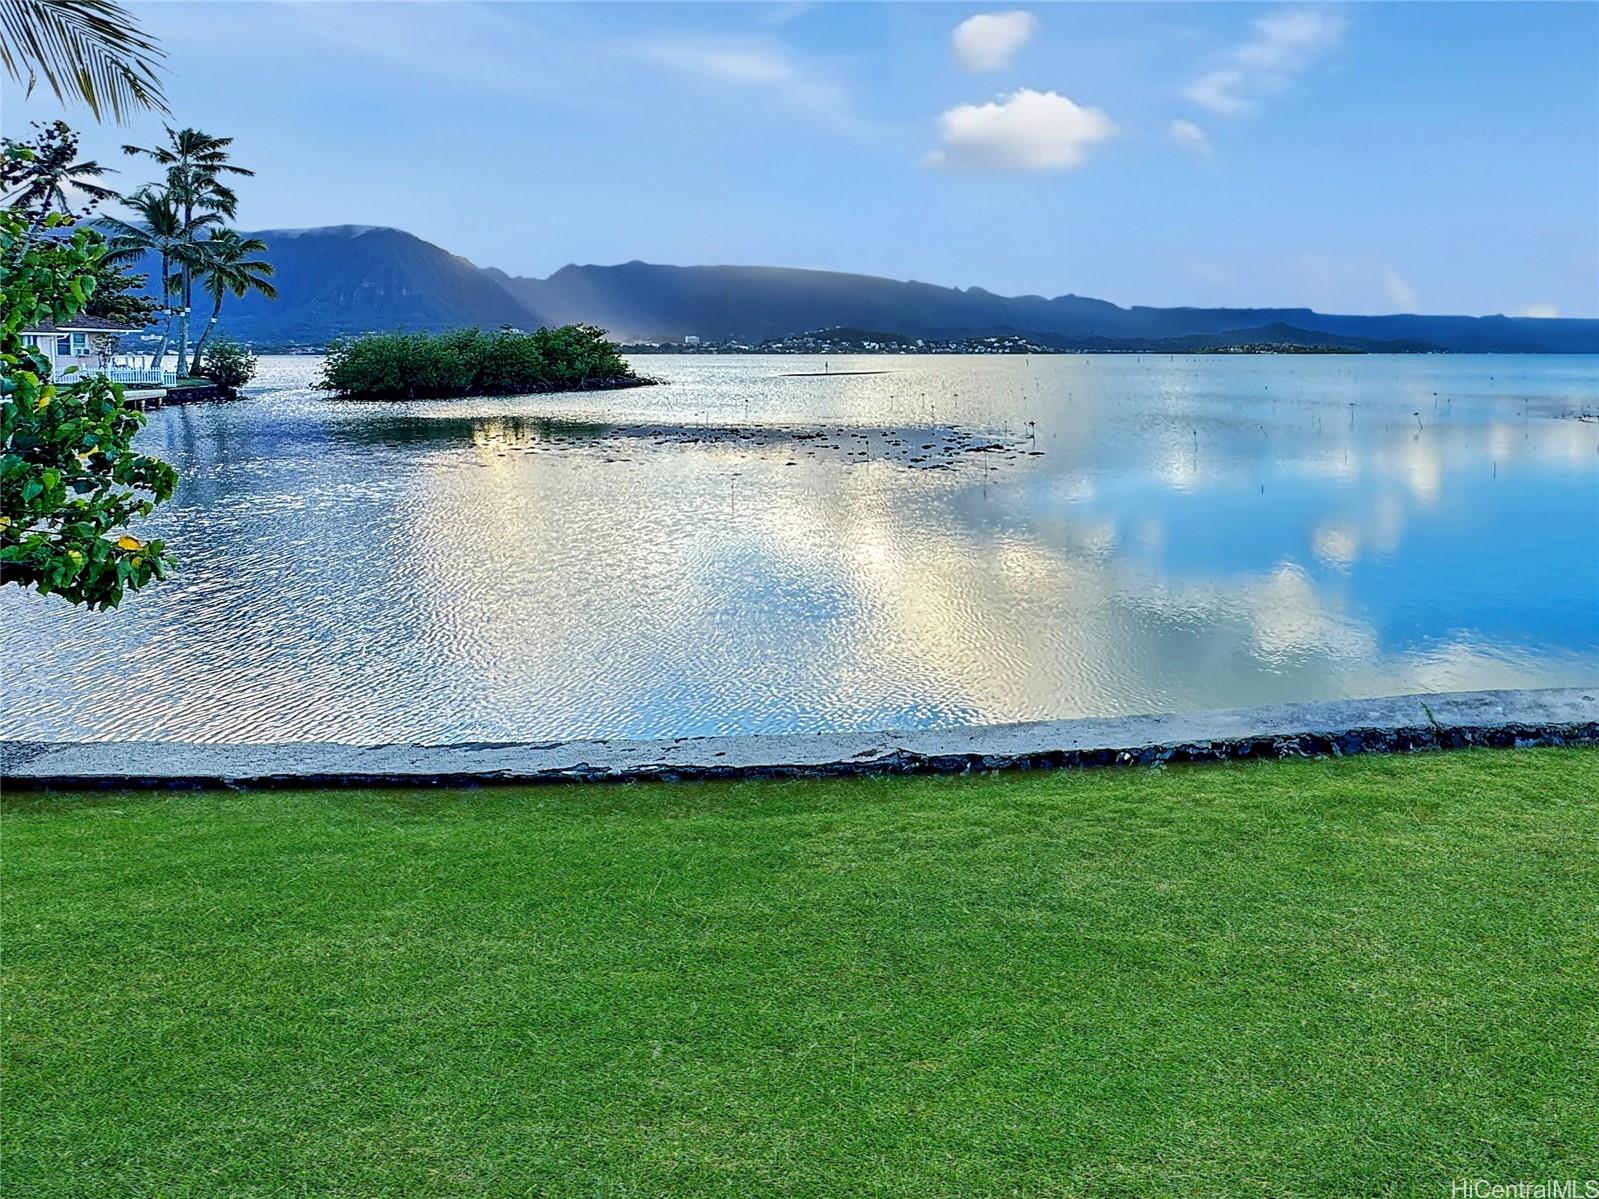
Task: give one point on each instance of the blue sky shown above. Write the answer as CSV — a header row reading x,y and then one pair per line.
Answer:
x,y
1358,158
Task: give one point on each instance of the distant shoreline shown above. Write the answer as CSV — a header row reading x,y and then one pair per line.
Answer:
x,y
305,351
618,383
1031,353
301,351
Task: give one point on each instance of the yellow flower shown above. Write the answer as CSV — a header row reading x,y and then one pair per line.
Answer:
x,y
128,542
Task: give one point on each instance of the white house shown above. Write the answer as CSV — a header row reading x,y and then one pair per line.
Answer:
x,y
90,344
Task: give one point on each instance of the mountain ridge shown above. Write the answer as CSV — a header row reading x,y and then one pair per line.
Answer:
x,y
344,279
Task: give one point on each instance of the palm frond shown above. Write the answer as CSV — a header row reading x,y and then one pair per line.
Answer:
x,y
227,269
197,188
78,175
192,149
116,227
90,50
160,153
89,168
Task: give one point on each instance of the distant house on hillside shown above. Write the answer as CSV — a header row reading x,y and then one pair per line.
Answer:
x,y
89,343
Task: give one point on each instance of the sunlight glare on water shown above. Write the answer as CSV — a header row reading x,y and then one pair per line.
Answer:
x,y
957,540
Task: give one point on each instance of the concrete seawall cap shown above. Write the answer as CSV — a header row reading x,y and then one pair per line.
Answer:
x,y
1558,716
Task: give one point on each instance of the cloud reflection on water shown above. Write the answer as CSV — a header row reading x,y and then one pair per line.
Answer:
x,y
1198,532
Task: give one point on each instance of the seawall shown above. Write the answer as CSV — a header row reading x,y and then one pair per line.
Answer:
x,y
1398,724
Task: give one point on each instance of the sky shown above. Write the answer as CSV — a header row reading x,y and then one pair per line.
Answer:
x,y
1393,157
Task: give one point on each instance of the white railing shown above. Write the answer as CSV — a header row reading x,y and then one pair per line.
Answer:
x,y
138,374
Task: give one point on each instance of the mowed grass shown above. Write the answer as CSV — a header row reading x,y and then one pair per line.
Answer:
x,y
1368,976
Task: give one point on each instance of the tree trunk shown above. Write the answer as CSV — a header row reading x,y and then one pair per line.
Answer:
x,y
184,292
166,332
183,339
188,294
216,311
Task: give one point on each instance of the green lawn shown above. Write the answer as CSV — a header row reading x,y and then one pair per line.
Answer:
x,y
1367,976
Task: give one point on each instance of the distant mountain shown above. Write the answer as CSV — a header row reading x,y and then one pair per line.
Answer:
x,y
647,302
642,301
352,278
1267,338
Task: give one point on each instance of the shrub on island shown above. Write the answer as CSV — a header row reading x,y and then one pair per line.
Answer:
x,y
468,362
227,364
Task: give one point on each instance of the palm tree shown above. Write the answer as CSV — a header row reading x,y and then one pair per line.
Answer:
x,y
40,172
226,267
195,161
89,50
163,231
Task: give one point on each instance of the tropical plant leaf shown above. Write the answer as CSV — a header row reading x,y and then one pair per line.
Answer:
x,y
89,50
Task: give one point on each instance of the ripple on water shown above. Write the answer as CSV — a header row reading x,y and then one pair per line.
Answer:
x,y
741,552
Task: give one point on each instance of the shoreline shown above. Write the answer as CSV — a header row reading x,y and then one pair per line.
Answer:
x,y
618,383
1336,728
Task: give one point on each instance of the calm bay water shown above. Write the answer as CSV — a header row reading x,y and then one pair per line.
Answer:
x,y
744,551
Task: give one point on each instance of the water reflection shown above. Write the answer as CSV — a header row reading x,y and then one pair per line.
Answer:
x,y
739,551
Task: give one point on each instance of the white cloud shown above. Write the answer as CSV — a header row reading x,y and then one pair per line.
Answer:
x,y
1027,130
989,41
761,63
1285,44
777,12
1191,138
743,66
1397,289
1541,311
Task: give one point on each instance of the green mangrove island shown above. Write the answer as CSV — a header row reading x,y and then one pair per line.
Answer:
x,y
470,362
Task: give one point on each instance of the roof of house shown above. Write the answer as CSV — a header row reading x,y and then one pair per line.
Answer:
x,y
79,324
